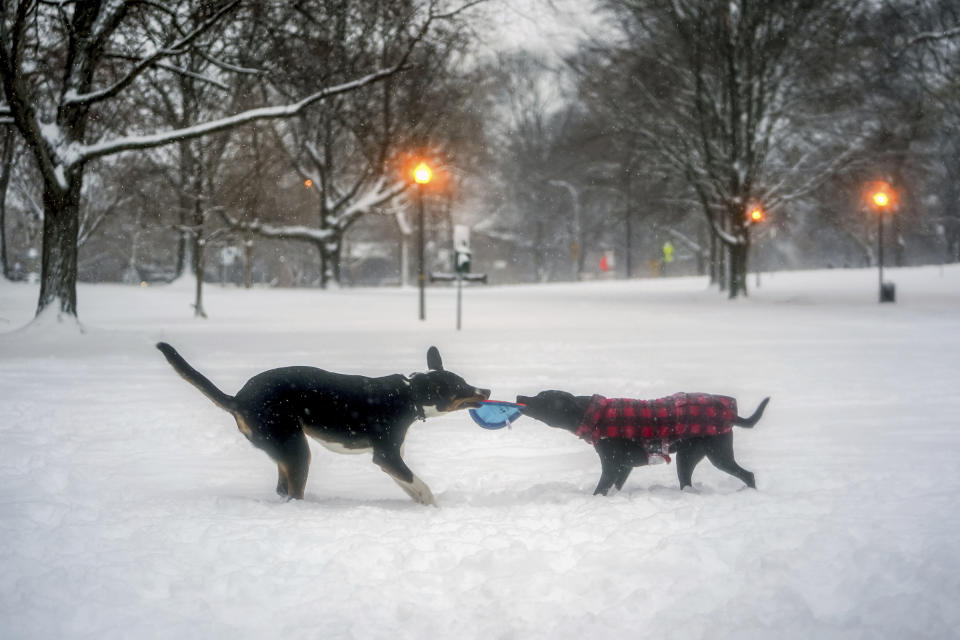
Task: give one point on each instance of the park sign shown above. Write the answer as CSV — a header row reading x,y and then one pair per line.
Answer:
x,y
461,267
461,248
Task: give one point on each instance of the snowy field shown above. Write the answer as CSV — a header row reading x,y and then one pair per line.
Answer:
x,y
131,507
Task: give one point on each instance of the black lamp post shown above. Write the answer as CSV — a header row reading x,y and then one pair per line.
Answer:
x,y
881,200
422,175
756,215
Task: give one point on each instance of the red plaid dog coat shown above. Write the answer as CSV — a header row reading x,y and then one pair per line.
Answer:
x,y
682,415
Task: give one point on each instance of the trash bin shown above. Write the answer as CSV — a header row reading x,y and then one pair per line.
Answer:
x,y
888,292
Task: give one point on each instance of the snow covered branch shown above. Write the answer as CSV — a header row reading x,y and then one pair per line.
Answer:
x,y
73,99
283,231
178,70
380,193
80,153
933,36
84,153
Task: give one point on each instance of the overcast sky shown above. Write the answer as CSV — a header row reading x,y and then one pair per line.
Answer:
x,y
549,26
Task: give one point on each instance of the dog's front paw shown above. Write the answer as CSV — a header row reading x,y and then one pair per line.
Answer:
x,y
418,490
421,493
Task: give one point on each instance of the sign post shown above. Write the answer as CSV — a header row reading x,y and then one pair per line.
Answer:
x,y
461,267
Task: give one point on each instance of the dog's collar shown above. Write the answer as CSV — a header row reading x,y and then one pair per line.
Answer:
x,y
417,407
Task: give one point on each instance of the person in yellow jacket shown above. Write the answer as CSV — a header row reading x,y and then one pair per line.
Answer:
x,y
667,257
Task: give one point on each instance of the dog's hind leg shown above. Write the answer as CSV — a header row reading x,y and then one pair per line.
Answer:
x,y
607,478
720,453
393,465
293,465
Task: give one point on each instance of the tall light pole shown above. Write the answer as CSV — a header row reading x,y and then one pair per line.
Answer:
x,y
755,215
422,175
881,198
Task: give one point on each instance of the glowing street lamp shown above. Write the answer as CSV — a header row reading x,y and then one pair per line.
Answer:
x,y
422,173
422,176
881,197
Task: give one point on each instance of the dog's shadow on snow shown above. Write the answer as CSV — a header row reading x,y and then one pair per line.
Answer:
x,y
541,494
325,502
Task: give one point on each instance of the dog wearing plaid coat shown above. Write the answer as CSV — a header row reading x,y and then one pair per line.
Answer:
x,y
628,433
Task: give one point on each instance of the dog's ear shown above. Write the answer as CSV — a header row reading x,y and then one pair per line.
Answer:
x,y
434,363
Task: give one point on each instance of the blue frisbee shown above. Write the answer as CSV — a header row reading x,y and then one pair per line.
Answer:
x,y
494,414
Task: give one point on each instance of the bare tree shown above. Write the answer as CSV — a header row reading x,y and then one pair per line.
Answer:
x,y
64,64
542,166
351,155
935,46
713,90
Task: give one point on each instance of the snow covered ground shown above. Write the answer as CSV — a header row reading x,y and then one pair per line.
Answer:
x,y
130,506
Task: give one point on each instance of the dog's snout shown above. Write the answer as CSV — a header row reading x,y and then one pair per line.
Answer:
x,y
523,400
484,392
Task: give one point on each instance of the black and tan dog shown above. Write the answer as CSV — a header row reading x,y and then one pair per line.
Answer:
x,y
278,408
627,433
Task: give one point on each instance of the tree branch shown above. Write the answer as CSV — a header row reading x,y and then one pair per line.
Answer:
x,y
177,47
284,232
178,70
84,153
934,36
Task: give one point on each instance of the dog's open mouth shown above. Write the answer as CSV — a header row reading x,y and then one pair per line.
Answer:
x,y
470,402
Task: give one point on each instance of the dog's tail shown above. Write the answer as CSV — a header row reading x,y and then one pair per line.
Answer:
x,y
197,379
748,423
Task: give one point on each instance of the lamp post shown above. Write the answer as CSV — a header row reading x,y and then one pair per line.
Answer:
x,y
755,215
881,198
421,175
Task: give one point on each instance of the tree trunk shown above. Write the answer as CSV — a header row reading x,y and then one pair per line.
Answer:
x,y
734,280
248,262
321,253
325,274
331,250
404,259
58,265
539,262
321,249
131,275
184,256
738,254
6,168
702,256
951,232
951,206
628,249
198,262
714,258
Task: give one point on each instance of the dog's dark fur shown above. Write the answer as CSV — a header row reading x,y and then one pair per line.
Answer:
x,y
618,456
276,409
